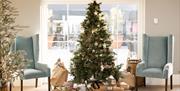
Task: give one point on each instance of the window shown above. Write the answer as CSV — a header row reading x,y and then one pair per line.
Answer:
x,y
64,27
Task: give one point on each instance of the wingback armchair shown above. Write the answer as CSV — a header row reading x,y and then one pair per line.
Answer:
x,y
34,69
157,61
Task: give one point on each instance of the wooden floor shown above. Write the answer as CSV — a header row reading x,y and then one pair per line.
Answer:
x,y
147,88
158,88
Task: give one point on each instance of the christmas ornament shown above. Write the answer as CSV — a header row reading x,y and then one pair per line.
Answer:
x,y
104,45
95,12
96,44
94,30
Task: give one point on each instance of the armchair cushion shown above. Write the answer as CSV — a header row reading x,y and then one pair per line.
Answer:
x,y
44,68
148,72
32,73
153,72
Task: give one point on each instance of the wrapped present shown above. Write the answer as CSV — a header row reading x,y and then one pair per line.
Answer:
x,y
124,85
102,88
128,78
59,74
80,87
67,86
110,88
64,89
115,88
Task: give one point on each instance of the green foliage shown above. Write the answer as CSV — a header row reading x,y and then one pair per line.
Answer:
x,y
11,63
94,57
116,73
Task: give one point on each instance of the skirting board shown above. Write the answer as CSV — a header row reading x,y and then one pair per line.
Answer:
x,y
156,81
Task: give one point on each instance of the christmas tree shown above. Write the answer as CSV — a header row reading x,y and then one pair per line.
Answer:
x,y
11,63
94,58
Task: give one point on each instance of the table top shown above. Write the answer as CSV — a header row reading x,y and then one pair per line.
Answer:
x,y
134,61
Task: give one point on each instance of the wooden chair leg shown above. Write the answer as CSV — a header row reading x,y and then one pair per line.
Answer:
x,y
10,86
171,78
144,82
136,83
21,85
36,82
49,86
166,84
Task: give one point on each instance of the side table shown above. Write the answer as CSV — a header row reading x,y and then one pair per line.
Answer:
x,y
132,63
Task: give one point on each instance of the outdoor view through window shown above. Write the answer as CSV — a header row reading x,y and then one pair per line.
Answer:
x,y
64,27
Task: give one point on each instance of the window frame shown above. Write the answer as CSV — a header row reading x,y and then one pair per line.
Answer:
x,y
44,20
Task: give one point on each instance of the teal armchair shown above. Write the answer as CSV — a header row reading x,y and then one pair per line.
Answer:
x,y
157,61
34,69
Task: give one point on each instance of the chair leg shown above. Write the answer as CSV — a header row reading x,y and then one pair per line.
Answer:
x,y
166,84
171,78
21,85
10,86
36,82
136,83
144,82
49,86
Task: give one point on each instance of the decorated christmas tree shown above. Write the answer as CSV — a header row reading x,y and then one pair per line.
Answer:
x,y
94,57
11,62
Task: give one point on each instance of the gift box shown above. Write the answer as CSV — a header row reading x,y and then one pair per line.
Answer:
x,y
102,88
64,89
59,75
115,88
124,85
109,88
67,86
128,78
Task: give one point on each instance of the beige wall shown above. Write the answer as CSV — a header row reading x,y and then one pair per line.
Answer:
x,y
168,14
29,15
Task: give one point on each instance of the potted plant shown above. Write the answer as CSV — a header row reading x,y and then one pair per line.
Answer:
x,y
11,62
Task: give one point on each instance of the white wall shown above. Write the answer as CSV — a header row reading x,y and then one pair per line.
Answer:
x,y
29,15
168,14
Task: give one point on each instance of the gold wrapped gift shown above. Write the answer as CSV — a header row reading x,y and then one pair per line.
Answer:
x,y
59,74
102,88
124,85
115,88
109,88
